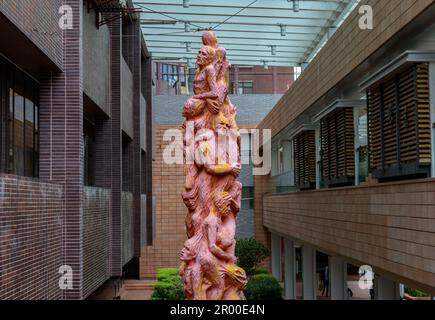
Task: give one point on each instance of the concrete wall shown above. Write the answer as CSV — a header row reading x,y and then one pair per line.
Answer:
x,y
127,227
388,226
126,99
96,238
30,238
96,61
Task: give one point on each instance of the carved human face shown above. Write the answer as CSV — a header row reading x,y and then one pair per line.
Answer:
x,y
204,57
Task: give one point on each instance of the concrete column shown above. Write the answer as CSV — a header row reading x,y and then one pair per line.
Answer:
x,y
402,291
386,289
338,278
309,273
61,144
289,270
276,256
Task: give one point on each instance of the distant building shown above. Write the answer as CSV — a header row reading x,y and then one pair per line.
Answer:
x,y
170,79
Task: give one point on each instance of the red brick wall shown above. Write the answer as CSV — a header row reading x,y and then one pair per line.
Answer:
x,y
30,238
96,238
266,81
170,234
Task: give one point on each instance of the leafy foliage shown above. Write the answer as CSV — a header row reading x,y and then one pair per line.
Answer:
x,y
263,287
169,285
258,271
415,293
250,253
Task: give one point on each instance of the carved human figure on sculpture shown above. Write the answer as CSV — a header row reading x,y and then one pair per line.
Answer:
x,y
212,193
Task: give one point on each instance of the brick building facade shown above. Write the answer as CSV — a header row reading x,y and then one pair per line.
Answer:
x,y
371,203
72,103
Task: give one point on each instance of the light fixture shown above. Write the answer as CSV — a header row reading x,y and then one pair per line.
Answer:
x,y
188,46
273,50
186,3
295,5
186,26
283,30
266,65
158,22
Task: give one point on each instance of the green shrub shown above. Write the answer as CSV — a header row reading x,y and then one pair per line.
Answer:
x,y
258,271
415,293
250,253
169,275
263,287
264,276
169,285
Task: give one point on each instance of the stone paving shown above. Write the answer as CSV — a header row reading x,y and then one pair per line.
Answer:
x,y
130,290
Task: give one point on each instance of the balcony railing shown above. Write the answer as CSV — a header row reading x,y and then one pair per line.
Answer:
x,y
285,182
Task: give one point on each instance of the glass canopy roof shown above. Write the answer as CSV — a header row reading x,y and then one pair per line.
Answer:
x,y
261,32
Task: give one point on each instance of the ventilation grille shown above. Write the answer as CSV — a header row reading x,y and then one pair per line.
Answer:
x,y
338,147
399,124
305,160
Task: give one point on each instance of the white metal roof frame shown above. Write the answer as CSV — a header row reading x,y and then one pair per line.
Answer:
x,y
261,32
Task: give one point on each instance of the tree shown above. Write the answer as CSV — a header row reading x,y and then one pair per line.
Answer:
x,y
250,253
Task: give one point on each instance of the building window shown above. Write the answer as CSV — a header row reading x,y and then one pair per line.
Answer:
x,y
169,72
245,152
245,87
248,198
89,153
362,147
19,118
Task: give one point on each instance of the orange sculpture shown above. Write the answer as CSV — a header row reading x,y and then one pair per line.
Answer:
x,y
212,193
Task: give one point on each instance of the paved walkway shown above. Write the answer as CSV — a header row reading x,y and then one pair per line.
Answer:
x,y
130,290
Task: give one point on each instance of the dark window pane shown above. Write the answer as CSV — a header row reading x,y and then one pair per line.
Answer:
x,y
29,138
89,153
36,155
18,117
10,155
3,118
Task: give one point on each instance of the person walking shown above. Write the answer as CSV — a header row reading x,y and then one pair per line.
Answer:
x,y
325,282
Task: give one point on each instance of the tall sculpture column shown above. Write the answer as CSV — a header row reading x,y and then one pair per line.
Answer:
x,y
212,193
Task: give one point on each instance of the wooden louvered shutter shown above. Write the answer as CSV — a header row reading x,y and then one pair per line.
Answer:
x,y
305,160
399,125
338,148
